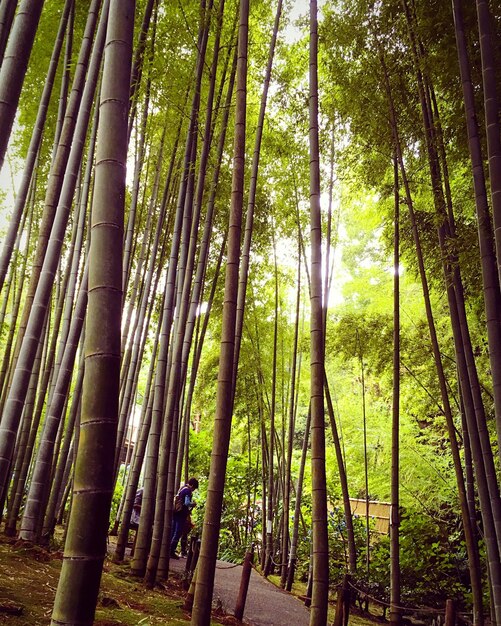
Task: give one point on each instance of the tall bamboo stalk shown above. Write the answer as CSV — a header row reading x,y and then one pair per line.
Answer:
x,y
7,10
472,548
290,432
320,592
212,519
395,612
85,547
485,236
40,485
13,407
249,220
271,495
14,65
22,193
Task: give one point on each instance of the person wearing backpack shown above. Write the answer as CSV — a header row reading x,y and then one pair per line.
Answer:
x,y
183,504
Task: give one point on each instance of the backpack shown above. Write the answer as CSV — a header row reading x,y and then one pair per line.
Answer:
x,y
178,504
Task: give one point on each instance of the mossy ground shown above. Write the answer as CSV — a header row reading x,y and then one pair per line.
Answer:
x,y
29,577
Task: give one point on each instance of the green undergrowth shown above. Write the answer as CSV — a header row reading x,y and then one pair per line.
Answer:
x,y
28,582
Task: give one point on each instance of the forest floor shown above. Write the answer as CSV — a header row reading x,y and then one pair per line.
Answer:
x,y
28,582
29,576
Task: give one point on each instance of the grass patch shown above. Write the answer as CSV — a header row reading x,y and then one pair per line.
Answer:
x,y
298,587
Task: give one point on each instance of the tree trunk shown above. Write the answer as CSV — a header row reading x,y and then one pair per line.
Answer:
x,y
22,193
138,461
472,548
14,65
39,486
320,594
12,412
76,259
137,64
271,449
183,330
176,278
297,507
196,294
9,344
249,220
65,79
395,612
150,248
366,468
492,127
24,448
485,238
7,10
470,386
291,428
140,150
222,427
59,165
85,547
62,461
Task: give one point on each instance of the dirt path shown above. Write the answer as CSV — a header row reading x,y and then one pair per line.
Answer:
x,y
266,604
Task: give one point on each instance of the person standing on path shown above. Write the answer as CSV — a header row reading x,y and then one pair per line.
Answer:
x,y
136,509
183,504
136,514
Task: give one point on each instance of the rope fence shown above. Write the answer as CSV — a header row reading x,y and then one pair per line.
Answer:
x,y
409,609
276,564
439,615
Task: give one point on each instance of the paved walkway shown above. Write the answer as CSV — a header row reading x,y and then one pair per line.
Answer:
x,y
266,604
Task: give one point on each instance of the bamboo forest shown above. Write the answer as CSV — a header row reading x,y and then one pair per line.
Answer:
x,y
250,312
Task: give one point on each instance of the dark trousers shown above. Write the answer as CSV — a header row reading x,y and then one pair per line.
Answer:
x,y
178,522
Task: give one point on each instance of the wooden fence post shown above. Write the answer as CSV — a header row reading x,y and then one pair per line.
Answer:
x,y
191,553
244,584
450,613
309,586
191,561
343,603
190,596
290,574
